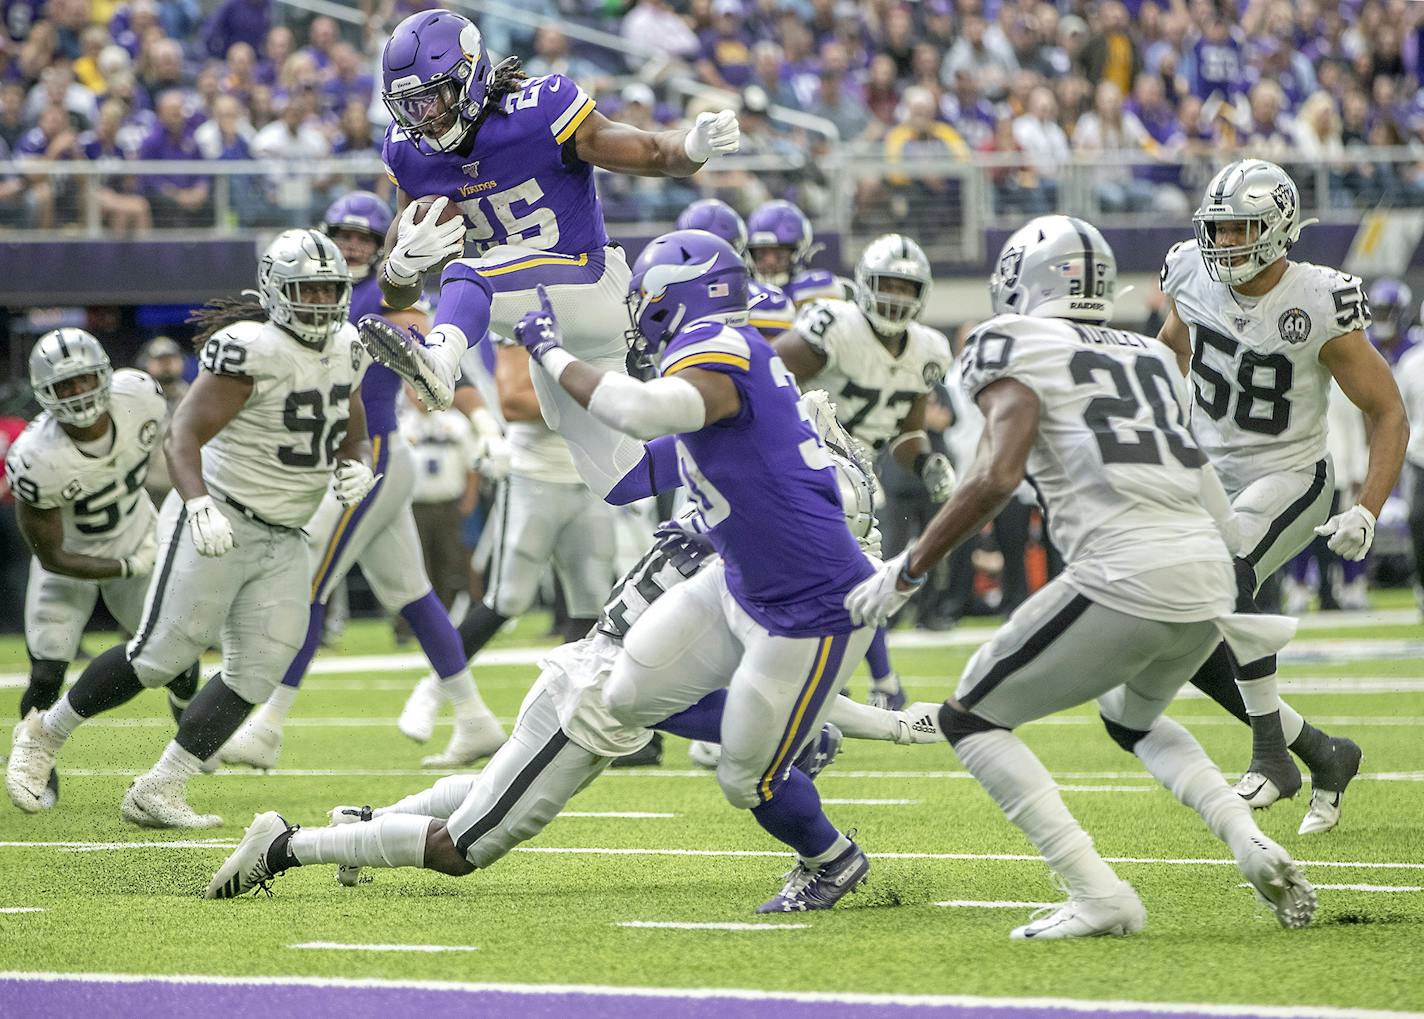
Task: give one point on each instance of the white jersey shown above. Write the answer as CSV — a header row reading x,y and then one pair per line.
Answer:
x,y
444,449
871,387
1113,463
276,456
537,451
1261,391
1409,373
99,493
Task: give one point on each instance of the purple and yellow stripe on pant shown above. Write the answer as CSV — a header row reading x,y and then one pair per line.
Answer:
x,y
820,684
346,525
549,268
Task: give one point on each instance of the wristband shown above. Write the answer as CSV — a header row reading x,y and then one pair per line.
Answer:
x,y
555,361
909,581
395,281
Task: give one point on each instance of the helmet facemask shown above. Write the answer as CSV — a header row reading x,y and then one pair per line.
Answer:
x,y
73,404
431,110
771,264
890,311
1236,249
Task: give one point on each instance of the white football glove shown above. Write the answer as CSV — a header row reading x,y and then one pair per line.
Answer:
x,y
424,245
140,563
713,134
492,457
1350,533
870,544
938,475
878,597
351,480
212,534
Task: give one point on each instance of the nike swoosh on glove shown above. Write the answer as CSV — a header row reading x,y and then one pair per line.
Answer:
x,y
713,134
1351,533
212,534
424,245
351,481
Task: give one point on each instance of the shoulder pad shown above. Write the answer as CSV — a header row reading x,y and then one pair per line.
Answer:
x,y
237,350
27,467
707,345
1341,298
1180,259
560,102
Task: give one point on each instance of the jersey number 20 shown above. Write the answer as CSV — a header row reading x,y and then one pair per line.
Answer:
x,y
1133,445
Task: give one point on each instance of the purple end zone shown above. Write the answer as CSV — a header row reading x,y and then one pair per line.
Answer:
x,y
95,998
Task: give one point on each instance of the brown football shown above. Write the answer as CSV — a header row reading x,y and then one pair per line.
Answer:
x,y
422,209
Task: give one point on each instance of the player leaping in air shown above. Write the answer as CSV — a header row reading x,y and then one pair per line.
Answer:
x,y
517,155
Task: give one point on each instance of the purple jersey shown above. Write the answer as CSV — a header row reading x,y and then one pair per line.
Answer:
x,y
520,183
766,490
381,387
816,285
770,311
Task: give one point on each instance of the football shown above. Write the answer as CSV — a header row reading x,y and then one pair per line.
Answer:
x,y
422,209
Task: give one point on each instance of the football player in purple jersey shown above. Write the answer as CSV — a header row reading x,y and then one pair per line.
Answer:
x,y
341,536
779,244
727,410
770,312
516,154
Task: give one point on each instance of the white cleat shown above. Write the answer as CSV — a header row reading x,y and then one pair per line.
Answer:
x,y
32,755
422,707
1278,881
473,739
1324,813
1257,790
247,867
346,875
919,723
155,802
1117,915
704,755
257,744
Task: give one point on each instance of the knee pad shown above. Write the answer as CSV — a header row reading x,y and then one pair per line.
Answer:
x,y
1122,735
46,679
956,724
741,790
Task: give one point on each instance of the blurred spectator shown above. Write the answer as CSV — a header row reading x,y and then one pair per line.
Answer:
x,y
1117,133
13,206
898,40
276,48
122,207
295,136
69,18
86,69
1276,61
768,63
227,134
58,89
163,359
355,142
1110,53
38,51
992,65
177,199
965,107
1318,139
322,37
882,93
237,21
837,98
725,60
53,198
653,25
1217,62
552,56
132,22
347,80
240,71
1044,143
1270,130
161,67
922,140
12,112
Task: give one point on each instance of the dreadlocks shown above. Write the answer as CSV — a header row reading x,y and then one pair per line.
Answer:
x,y
508,77
223,312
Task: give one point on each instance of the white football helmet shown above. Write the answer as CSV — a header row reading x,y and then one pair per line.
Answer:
x,y
1055,267
893,256
294,259
1263,199
65,354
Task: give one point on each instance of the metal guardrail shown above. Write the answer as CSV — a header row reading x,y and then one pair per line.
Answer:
x,y
852,190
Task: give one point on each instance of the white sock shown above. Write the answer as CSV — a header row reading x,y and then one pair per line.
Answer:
x,y
440,800
861,721
890,682
464,695
840,845
393,840
176,763
279,705
1291,723
60,720
1025,791
1260,695
1178,761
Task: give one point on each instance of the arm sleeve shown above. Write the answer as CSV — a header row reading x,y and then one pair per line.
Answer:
x,y
647,410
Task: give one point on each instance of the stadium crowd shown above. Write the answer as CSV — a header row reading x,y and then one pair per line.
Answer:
x,y
1033,83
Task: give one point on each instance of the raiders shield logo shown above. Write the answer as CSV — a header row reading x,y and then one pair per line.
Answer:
x,y
148,434
1009,267
1294,326
933,373
356,349
1283,198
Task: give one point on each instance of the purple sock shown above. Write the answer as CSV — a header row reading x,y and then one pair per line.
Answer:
x,y
793,815
702,721
877,656
1299,567
315,621
465,298
437,636
1351,571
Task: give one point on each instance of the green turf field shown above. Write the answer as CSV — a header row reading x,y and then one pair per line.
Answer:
x,y
113,902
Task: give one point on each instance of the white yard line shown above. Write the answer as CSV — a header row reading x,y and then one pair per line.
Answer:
x,y
21,909
975,904
634,815
869,803
1363,888
335,946
1060,1004
676,926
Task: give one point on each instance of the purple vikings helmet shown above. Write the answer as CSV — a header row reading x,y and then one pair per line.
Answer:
x,y
716,217
360,212
679,278
1392,303
435,77
778,241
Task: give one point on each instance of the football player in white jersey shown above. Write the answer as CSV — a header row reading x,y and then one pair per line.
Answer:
x,y
77,472
1262,336
1095,416
878,364
562,741
544,515
273,419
